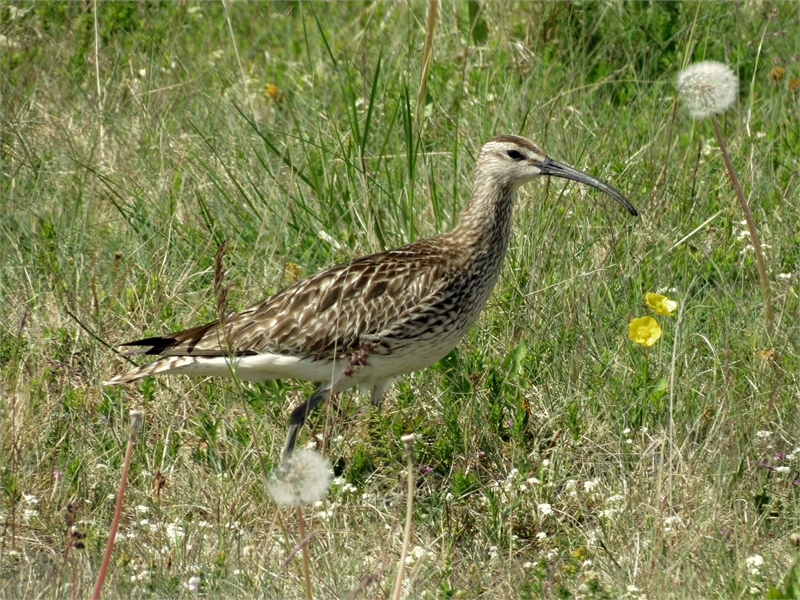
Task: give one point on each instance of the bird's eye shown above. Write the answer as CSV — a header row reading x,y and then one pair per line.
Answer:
x,y
515,154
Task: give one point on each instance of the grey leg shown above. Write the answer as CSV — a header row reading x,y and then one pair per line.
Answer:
x,y
378,390
298,418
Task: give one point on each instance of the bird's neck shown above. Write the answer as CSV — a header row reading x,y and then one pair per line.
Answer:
x,y
485,222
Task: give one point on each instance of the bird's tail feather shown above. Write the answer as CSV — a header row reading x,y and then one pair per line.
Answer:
x,y
163,365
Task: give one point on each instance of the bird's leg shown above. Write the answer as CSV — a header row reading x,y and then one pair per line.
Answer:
x,y
297,419
378,390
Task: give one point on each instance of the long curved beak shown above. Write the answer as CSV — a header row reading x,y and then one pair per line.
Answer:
x,y
556,169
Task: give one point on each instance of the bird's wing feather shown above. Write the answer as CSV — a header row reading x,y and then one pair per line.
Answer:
x,y
326,313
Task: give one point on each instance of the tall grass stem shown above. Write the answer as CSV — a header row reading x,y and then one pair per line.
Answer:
x,y
433,11
408,440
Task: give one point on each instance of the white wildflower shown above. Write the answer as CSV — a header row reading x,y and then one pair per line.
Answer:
x,y
193,584
415,554
783,469
541,535
305,481
763,434
174,532
753,563
588,486
546,509
29,513
707,88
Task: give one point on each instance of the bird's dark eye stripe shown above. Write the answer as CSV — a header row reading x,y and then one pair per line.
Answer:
x,y
515,154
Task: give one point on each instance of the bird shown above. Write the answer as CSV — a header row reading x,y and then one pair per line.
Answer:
x,y
369,320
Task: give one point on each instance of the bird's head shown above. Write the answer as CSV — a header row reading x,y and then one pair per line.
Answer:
x,y
512,160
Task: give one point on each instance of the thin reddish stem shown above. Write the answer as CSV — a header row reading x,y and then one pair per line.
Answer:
x,y
751,226
136,420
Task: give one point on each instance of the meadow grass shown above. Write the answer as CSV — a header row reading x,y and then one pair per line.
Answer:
x,y
555,457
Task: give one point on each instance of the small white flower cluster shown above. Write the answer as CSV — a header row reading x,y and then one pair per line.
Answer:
x,y
146,524
140,576
417,553
743,236
754,563
174,532
511,483
193,584
28,512
322,512
793,455
708,88
590,484
613,506
545,509
344,486
672,523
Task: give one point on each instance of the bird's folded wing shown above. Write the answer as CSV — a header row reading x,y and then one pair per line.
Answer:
x,y
328,313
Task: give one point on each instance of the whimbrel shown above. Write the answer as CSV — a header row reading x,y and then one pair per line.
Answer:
x,y
370,319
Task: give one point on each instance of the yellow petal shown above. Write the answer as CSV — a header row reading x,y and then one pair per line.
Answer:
x,y
661,304
644,331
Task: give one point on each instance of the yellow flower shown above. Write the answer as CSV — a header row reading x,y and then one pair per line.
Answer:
x,y
644,331
272,92
292,270
777,74
661,304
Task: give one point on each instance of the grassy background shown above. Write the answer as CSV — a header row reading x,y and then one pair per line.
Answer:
x,y
138,137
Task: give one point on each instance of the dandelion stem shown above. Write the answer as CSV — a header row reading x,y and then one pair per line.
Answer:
x,y
762,267
302,530
408,440
135,422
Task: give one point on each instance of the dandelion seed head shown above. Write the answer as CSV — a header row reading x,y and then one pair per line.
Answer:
x,y
707,88
305,481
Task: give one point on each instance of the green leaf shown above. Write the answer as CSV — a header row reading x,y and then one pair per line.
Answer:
x,y
477,24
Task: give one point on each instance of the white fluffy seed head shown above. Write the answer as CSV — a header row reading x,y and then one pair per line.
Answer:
x,y
707,88
306,480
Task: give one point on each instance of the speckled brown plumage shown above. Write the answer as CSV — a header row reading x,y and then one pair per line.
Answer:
x,y
368,320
